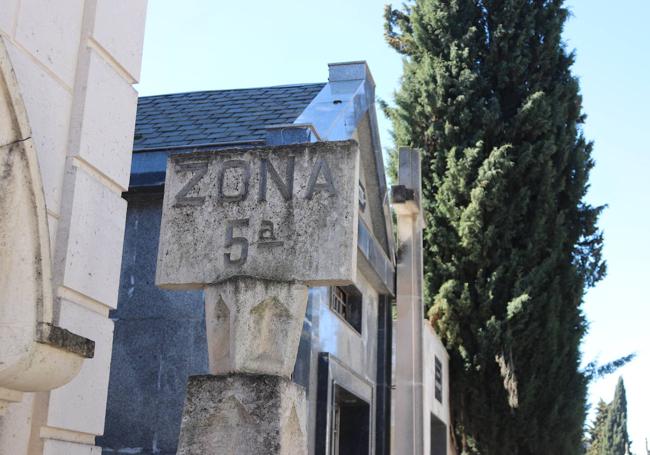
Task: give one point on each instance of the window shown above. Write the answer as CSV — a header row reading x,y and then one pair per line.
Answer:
x,y
438,379
347,302
340,302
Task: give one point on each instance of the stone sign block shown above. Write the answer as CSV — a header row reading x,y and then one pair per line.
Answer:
x,y
254,326
286,213
244,415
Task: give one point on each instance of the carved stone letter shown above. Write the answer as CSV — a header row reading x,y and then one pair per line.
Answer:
x,y
285,188
240,185
313,185
200,168
231,241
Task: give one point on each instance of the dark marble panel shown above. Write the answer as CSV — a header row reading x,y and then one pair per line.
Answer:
x,y
159,341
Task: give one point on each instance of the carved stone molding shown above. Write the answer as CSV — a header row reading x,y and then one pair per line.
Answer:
x,y
254,326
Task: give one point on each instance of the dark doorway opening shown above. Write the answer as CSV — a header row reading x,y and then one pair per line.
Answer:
x,y
438,436
351,424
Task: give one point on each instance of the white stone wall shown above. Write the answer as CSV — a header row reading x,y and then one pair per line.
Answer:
x,y
76,62
432,347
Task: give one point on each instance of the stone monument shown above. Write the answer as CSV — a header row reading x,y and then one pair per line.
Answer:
x,y
254,228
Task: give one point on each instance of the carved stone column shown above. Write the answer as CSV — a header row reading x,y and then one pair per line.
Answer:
x,y
248,404
251,325
254,228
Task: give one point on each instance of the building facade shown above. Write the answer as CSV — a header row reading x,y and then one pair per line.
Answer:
x,y
345,353
67,109
160,335
95,358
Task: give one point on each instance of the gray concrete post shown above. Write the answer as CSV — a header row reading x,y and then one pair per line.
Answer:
x,y
409,410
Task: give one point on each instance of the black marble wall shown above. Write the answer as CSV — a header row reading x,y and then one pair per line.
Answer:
x,y
159,341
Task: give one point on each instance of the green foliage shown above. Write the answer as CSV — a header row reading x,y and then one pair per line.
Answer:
x,y
608,434
615,438
487,94
595,371
597,430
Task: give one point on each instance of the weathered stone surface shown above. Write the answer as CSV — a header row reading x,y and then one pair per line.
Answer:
x,y
243,415
25,265
65,106
253,326
61,338
286,213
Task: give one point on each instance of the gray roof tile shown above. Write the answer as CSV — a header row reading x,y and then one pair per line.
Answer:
x,y
211,117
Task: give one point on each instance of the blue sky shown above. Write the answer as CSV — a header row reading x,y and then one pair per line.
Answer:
x,y
206,45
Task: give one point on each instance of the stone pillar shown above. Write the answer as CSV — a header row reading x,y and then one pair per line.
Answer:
x,y
248,404
409,411
254,228
252,325
243,413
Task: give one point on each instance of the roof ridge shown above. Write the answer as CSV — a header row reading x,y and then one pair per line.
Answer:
x,y
307,84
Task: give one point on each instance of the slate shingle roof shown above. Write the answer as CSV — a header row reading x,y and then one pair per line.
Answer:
x,y
210,117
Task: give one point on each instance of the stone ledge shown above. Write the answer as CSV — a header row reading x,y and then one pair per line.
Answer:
x,y
58,337
401,194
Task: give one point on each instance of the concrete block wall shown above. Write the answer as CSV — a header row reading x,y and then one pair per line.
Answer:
x,y
76,62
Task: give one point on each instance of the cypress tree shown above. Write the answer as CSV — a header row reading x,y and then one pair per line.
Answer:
x,y
487,94
597,430
615,440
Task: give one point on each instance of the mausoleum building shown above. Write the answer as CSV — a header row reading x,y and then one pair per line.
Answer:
x,y
345,352
67,111
227,279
